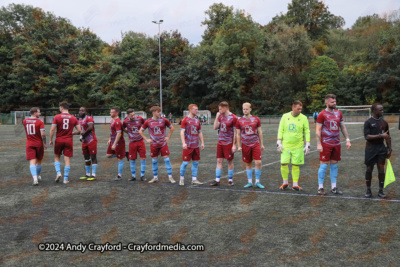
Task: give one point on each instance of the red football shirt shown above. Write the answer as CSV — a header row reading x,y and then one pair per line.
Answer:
x,y
116,127
226,129
330,134
133,127
192,129
249,130
33,126
157,130
84,123
65,123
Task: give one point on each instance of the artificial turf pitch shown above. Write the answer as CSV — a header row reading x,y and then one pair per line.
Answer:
x,y
237,226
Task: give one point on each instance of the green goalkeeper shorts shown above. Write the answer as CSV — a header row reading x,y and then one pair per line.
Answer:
x,y
297,155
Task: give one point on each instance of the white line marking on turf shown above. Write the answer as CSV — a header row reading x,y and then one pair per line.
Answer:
x,y
286,193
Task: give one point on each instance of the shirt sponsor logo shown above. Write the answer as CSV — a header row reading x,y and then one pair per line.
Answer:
x,y
157,131
223,127
248,130
194,130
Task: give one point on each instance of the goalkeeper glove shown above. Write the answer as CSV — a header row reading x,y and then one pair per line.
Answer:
x,y
307,149
279,146
81,138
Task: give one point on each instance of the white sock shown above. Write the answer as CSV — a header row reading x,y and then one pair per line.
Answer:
x,y
193,178
120,174
217,179
333,185
182,177
320,186
250,181
169,176
35,178
257,180
93,174
87,174
155,177
295,183
285,181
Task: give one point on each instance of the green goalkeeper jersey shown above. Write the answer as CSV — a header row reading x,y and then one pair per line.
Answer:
x,y
292,129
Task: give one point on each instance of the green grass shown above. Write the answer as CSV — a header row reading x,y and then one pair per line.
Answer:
x,y
238,226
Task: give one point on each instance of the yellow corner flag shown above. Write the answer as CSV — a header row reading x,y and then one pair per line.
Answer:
x,y
389,177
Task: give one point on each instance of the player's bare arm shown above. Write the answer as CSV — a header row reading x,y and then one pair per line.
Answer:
x,y
234,142
88,130
171,130
216,122
78,130
346,135
114,146
260,136
43,134
239,142
388,140
201,140
318,135
52,130
184,145
141,132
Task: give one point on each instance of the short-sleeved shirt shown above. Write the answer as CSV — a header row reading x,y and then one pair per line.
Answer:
x,y
249,130
226,129
65,125
84,123
115,128
33,128
330,121
133,127
157,130
192,128
373,126
292,129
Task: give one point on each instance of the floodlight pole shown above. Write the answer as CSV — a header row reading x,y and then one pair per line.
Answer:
x,y
159,56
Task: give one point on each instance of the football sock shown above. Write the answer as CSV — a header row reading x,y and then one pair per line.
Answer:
x,y
249,175
142,167
87,169
168,166
295,174
285,173
38,169
218,174
333,174
258,175
230,174
57,164
155,166
120,167
94,168
195,167
368,178
33,171
133,169
321,173
183,168
381,177
66,172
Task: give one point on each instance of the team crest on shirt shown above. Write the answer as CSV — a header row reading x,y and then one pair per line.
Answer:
x,y
248,130
223,127
135,129
157,130
194,129
333,125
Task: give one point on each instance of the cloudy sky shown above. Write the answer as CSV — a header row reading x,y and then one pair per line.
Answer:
x,y
108,18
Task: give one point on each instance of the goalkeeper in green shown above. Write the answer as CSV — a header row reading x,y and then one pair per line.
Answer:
x,y
292,128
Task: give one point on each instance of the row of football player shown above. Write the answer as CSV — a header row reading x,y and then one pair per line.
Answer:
x,y
247,138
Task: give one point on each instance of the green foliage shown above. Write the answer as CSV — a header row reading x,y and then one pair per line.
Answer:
x,y
302,54
322,79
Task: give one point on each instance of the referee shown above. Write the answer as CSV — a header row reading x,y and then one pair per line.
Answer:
x,y
376,129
